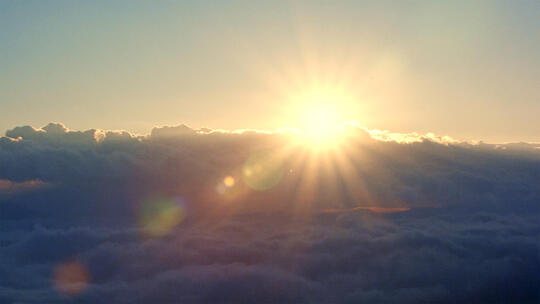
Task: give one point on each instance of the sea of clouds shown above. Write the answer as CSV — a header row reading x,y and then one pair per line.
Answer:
x,y
180,216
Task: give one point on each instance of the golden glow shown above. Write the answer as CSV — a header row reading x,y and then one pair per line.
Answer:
x,y
322,126
320,111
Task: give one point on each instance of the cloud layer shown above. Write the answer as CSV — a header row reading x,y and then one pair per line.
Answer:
x,y
203,216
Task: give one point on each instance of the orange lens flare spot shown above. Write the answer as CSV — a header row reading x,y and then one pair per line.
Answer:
x,y
226,184
229,181
70,278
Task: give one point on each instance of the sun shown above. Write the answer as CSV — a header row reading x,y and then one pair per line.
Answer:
x,y
322,125
319,113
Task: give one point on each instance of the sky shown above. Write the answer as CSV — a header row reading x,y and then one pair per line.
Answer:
x,y
466,69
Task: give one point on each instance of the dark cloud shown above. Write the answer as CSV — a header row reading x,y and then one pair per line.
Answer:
x,y
388,218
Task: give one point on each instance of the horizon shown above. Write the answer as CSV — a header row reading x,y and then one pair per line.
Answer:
x,y
376,134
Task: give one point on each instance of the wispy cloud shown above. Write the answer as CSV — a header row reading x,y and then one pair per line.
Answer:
x,y
10,187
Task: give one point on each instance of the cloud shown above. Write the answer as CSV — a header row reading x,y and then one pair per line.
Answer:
x,y
407,138
384,219
335,258
166,131
9,187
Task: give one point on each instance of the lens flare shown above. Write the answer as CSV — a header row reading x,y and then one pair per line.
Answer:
x,y
70,278
229,181
159,215
226,184
263,170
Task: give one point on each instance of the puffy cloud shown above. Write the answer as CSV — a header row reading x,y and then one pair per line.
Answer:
x,y
387,136
266,258
383,219
166,131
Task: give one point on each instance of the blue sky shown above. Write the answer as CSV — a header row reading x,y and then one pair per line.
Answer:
x,y
465,69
